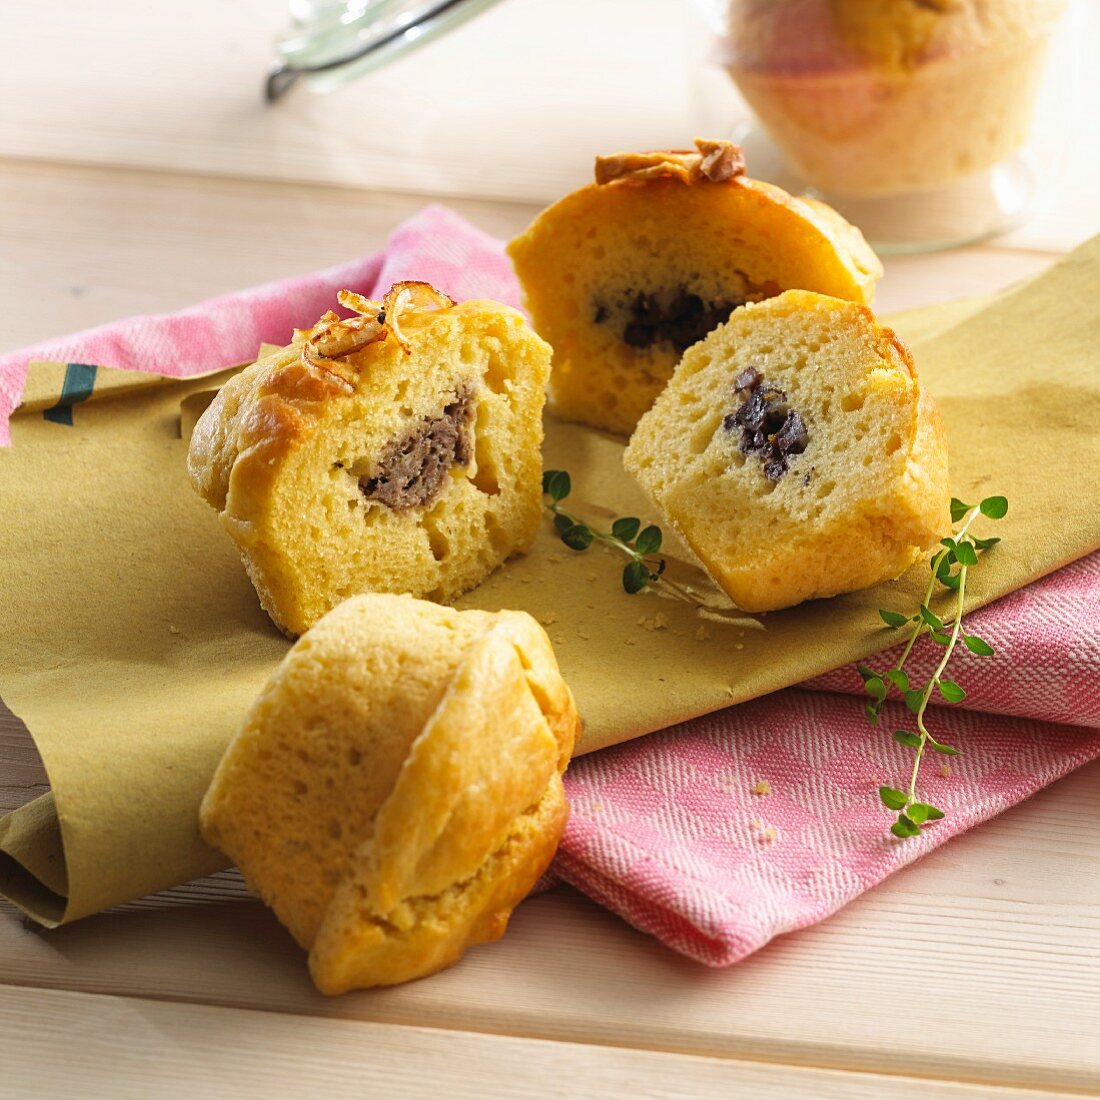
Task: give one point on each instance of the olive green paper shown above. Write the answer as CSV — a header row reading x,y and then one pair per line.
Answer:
x,y
131,642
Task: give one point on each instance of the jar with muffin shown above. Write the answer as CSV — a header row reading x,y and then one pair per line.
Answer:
x,y
908,115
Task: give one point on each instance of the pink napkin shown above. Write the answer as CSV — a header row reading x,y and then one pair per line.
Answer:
x,y
667,830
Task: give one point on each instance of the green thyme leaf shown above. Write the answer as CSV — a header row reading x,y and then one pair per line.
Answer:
x,y
865,672
893,618
994,507
930,617
635,576
942,749
626,528
920,812
913,699
985,544
556,484
977,645
563,523
958,509
578,537
892,798
898,679
904,737
951,691
951,581
649,541
871,710
876,688
939,637
966,554
904,827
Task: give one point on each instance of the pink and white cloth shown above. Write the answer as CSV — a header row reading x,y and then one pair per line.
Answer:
x,y
667,831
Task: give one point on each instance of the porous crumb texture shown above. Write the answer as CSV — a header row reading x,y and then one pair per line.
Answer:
x,y
586,260
862,501
290,450
396,788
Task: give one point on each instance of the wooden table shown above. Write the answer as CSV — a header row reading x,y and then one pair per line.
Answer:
x,y
138,172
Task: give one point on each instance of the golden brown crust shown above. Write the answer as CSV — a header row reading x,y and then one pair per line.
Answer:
x,y
396,788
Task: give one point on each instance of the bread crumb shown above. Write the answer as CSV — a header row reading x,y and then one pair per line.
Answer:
x,y
762,788
701,633
631,641
597,807
559,640
755,823
555,558
658,622
739,645
769,835
590,577
583,634
945,771
550,617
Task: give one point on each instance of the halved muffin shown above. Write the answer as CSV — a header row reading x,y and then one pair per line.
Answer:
x,y
796,453
397,451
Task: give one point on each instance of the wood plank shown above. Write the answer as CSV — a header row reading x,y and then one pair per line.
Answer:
x,y
126,1047
80,247
512,106
479,113
981,963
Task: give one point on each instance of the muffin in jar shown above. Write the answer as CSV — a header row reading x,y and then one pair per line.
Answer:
x,y
873,98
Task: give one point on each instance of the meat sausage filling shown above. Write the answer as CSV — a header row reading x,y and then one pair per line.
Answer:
x,y
413,468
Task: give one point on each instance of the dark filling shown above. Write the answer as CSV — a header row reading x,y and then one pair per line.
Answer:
x,y
680,319
412,469
770,429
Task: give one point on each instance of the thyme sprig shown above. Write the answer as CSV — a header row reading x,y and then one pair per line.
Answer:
x,y
627,535
950,567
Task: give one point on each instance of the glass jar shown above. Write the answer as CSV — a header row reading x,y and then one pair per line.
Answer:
x,y
331,42
877,101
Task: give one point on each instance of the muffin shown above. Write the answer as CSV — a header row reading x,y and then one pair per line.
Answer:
x,y
622,276
398,451
878,97
796,453
396,788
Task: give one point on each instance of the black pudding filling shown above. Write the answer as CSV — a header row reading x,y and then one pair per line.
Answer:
x,y
412,469
770,429
678,318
